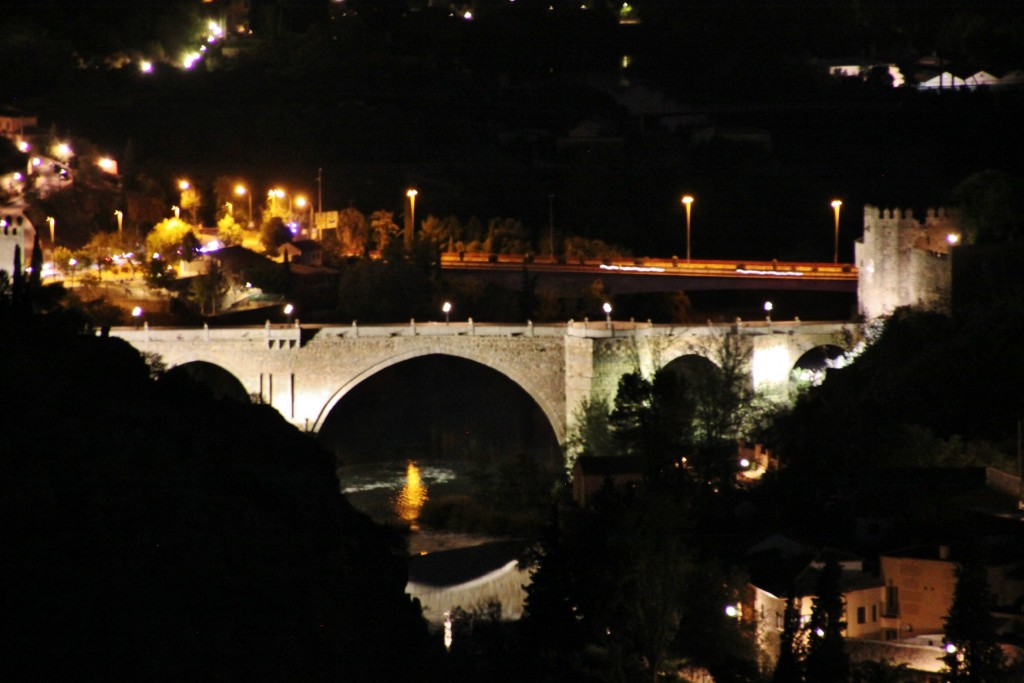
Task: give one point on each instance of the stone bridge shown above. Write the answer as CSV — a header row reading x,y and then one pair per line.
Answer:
x,y
304,370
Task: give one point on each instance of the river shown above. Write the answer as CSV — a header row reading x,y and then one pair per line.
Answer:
x,y
395,492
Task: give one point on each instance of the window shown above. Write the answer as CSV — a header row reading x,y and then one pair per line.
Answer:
x,y
861,615
874,613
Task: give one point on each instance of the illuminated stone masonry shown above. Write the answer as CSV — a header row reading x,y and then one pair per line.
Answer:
x,y
905,262
303,371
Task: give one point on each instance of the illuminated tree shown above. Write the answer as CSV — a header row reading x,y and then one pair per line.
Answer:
x,y
789,667
173,239
383,227
191,201
229,231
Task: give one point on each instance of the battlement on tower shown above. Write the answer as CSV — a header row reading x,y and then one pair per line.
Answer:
x,y
903,261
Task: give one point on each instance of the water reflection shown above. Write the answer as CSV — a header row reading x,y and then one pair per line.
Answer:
x,y
411,497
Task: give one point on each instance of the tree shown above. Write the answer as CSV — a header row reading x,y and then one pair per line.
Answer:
x,y
972,653
789,668
826,660
208,288
274,233
173,239
353,232
229,231
990,206
383,227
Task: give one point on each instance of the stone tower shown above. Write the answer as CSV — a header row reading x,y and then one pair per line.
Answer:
x,y
904,262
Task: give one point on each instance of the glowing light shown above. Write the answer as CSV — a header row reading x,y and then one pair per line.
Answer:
x,y
774,273
953,238
146,66
137,312
23,146
744,463
819,632
447,630
467,15
189,60
36,161
107,165
771,366
732,611
950,648
411,497
184,185
63,150
633,269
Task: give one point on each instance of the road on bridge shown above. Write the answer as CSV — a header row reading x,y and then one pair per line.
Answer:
x,y
656,274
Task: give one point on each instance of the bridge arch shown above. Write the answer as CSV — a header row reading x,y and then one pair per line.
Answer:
x,y
812,363
221,382
550,412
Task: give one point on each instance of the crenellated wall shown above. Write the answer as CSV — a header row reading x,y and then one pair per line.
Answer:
x,y
903,261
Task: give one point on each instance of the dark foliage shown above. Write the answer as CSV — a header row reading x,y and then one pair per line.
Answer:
x,y
155,533
970,629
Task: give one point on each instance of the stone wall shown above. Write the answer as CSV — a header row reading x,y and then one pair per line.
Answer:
x,y
903,261
304,372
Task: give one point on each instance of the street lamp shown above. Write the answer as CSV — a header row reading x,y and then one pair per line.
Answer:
x,y
410,226
302,203
53,222
184,185
240,190
835,252
687,202
120,220
607,314
288,310
768,310
177,211
447,308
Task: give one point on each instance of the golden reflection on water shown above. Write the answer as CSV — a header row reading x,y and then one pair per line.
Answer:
x,y
411,497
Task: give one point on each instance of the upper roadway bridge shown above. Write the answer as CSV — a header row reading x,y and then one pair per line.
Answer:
x,y
639,275
304,370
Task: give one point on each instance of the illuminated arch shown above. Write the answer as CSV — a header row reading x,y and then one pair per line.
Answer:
x,y
550,411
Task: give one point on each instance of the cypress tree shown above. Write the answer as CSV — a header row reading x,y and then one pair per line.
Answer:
x,y
788,667
972,653
827,661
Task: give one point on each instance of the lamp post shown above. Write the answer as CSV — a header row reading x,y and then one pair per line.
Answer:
x,y
607,314
687,202
120,220
410,226
551,223
177,211
835,251
288,311
240,190
447,308
53,222
303,203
